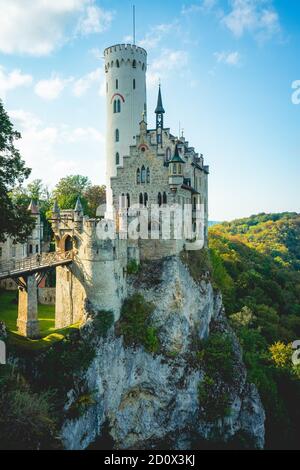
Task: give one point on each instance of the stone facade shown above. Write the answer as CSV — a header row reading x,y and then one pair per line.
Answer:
x,y
46,295
98,271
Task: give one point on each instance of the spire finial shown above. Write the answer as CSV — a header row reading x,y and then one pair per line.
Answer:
x,y
159,108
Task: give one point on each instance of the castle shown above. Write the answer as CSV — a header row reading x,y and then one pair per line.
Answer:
x,y
156,207
147,170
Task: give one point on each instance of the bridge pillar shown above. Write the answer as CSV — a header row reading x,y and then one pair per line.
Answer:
x,y
27,323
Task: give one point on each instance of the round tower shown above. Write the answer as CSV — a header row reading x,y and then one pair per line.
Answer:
x,y
125,71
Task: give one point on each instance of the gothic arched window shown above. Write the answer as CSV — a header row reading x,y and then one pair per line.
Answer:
x,y
159,199
115,106
118,106
164,198
117,83
117,135
168,154
148,175
117,63
145,199
138,176
134,64
117,158
143,174
128,199
133,84
141,199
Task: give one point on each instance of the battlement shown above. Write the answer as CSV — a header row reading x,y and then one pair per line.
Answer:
x,y
130,48
125,54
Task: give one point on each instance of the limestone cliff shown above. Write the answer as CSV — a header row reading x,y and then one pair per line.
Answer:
x,y
148,400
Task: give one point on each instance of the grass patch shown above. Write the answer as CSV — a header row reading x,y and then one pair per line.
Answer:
x,y
46,317
9,313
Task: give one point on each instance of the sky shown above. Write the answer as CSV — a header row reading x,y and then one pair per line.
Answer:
x,y
230,76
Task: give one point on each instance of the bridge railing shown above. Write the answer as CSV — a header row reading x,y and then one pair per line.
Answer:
x,y
34,262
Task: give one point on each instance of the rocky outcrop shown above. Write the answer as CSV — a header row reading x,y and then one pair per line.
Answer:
x,y
151,400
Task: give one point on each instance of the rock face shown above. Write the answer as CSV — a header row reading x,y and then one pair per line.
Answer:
x,y
151,400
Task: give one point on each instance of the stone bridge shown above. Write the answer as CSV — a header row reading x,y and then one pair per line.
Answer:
x,y
28,273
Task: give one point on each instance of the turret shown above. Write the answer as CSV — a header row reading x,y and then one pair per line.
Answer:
x,y
78,214
176,165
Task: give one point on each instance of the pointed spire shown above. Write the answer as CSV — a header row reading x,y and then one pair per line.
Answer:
x,y
78,206
33,208
159,107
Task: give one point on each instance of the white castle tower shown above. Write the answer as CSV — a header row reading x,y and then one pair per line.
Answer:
x,y
126,103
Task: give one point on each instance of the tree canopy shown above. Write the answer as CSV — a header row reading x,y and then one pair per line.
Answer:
x,y
256,265
69,188
15,220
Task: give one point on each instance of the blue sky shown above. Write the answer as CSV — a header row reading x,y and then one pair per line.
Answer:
x,y
226,68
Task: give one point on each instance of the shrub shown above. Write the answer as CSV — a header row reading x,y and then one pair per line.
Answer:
x,y
26,418
81,405
198,263
133,267
135,323
217,356
103,322
213,400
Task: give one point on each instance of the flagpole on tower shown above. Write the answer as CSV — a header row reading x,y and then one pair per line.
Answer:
x,y
133,22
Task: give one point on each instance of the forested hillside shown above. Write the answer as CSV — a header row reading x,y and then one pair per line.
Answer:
x,y
256,264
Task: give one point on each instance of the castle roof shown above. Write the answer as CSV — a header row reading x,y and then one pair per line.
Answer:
x,y
176,157
33,208
78,206
159,108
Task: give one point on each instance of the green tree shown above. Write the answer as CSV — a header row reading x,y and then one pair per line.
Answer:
x,y
15,220
69,188
95,196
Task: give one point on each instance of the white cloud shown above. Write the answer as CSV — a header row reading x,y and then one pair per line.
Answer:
x,y
161,67
228,58
258,17
53,151
11,80
51,88
156,34
38,27
202,6
81,134
83,84
96,20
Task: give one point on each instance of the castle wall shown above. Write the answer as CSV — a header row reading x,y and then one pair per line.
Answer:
x,y
98,273
46,295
